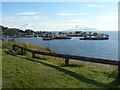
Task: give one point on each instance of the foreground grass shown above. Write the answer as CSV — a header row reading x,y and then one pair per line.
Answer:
x,y
21,71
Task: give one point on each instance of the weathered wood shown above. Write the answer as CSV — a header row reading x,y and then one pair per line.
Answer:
x,y
33,55
96,60
13,48
66,61
21,50
81,58
119,71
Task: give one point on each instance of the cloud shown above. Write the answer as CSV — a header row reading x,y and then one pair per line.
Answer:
x,y
20,19
34,22
71,14
96,27
107,18
78,20
50,26
86,27
95,6
108,27
28,13
113,14
26,26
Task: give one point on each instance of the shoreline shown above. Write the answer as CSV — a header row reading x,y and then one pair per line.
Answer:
x,y
51,44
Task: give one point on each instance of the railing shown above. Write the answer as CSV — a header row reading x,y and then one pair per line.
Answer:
x,y
67,57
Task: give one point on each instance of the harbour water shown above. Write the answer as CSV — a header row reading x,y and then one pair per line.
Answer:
x,y
105,49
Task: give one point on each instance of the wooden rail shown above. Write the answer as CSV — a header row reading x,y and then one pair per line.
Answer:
x,y
67,57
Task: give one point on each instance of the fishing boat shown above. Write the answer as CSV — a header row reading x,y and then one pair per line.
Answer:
x,y
46,38
98,37
62,38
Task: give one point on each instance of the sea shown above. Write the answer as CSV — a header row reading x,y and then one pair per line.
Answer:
x,y
104,49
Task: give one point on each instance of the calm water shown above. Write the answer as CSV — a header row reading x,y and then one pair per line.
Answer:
x,y
107,49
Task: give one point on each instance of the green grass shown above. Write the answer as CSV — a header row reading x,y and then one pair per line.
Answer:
x,y
22,71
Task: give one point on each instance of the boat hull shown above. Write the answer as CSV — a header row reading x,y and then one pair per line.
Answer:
x,y
94,38
49,38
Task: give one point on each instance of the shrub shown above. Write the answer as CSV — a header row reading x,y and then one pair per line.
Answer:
x,y
26,45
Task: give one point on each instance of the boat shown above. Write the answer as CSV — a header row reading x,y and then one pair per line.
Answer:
x,y
51,38
46,38
99,37
62,38
94,38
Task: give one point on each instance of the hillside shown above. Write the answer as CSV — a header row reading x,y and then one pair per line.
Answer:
x,y
22,71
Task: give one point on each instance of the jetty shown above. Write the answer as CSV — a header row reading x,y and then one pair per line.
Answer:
x,y
50,38
95,37
56,36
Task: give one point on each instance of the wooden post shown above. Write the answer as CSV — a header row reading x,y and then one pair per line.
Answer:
x,y
66,61
21,50
13,48
119,71
33,55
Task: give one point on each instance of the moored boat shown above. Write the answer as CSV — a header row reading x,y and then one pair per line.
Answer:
x,y
62,38
85,38
97,37
51,38
46,38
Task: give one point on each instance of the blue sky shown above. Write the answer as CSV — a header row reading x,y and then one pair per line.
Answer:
x,y
56,16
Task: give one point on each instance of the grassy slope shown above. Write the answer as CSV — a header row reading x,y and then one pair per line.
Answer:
x,y
0,64
21,71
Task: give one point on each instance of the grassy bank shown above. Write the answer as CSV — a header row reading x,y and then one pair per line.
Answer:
x,y
22,71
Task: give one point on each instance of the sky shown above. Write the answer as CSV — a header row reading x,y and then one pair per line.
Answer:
x,y
60,16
